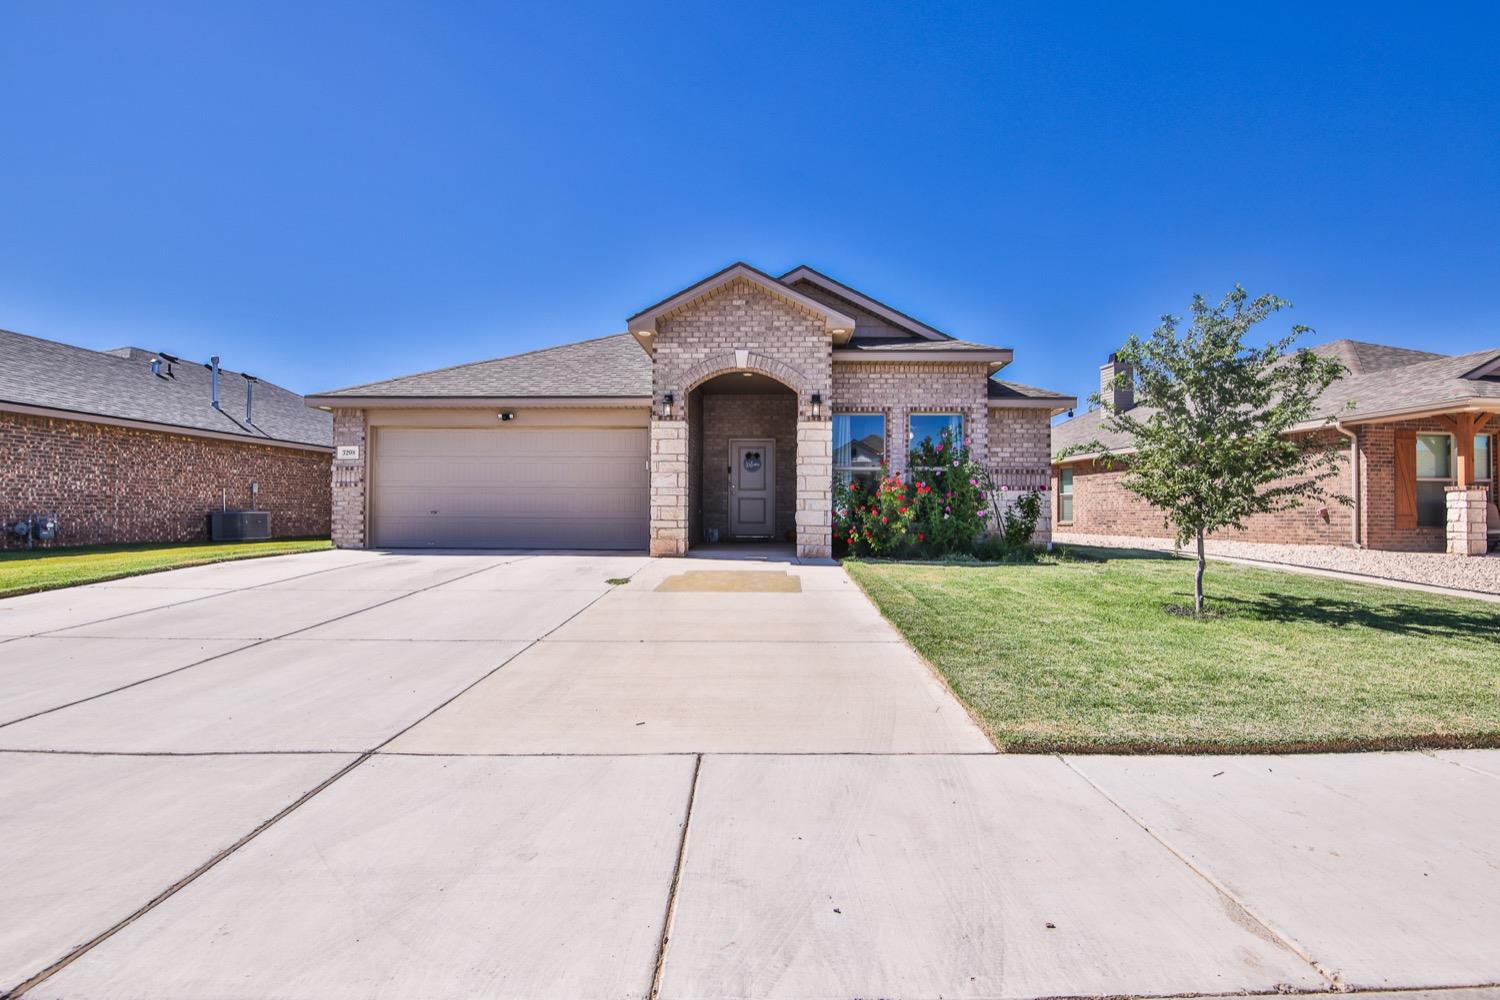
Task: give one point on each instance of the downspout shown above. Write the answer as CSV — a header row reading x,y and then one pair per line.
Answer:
x,y
1354,478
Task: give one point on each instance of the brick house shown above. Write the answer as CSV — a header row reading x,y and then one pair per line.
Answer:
x,y
1419,435
724,412
128,446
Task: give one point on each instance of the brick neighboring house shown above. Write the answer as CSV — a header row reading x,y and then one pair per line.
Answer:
x,y
1419,431
725,411
126,446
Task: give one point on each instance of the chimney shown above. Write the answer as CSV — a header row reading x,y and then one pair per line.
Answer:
x,y
1120,396
213,366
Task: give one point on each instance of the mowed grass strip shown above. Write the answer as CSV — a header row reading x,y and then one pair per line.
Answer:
x,y
25,571
1091,656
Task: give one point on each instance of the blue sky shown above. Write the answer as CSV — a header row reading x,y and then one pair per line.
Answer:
x,y
326,194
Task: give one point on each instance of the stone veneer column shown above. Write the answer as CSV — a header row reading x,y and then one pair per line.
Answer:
x,y
815,489
669,487
1466,521
349,479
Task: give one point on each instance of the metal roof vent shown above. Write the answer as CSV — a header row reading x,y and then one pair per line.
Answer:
x,y
213,366
250,381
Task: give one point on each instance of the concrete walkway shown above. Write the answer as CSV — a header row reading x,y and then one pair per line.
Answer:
x,y
499,775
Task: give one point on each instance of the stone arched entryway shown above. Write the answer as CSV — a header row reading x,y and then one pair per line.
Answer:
x,y
694,487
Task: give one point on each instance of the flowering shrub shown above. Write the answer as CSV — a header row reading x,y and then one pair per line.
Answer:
x,y
873,524
950,493
1018,524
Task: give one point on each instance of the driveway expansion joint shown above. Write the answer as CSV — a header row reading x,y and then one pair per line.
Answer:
x,y
671,911
1262,925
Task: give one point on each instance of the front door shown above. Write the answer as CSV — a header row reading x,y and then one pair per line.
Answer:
x,y
752,488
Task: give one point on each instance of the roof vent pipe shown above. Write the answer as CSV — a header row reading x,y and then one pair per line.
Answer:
x,y
250,381
213,366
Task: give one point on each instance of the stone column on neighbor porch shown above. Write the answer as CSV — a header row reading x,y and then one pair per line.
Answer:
x,y
814,489
1467,535
669,487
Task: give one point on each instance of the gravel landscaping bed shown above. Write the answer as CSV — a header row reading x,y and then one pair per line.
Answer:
x,y
1434,569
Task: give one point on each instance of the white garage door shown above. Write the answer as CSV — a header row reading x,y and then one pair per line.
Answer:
x,y
552,488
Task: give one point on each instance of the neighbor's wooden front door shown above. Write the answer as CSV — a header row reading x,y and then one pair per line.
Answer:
x,y
752,488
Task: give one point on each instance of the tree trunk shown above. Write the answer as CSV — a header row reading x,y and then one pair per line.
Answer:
x,y
1198,579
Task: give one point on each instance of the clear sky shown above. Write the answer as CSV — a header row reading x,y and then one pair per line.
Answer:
x,y
326,194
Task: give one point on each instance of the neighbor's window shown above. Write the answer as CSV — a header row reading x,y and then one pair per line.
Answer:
x,y
1065,496
1434,475
932,425
858,448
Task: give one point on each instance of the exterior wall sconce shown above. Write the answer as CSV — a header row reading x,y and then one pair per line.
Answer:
x,y
817,406
666,408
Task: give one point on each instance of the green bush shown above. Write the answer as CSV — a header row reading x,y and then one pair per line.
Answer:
x,y
1018,524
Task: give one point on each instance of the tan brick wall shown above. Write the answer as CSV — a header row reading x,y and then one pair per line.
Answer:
x,y
701,340
1020,456
350,481
898,389
747,416
109,484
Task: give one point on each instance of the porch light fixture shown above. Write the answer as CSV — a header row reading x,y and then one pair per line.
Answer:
x,y
666,409
817,405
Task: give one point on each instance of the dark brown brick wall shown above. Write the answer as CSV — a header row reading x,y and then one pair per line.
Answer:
x,y
110,484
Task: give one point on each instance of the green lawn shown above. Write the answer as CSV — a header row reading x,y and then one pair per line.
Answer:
x,y
24,571
1086,656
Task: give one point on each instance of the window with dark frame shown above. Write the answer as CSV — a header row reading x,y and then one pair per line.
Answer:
x,y
1434,476
858,448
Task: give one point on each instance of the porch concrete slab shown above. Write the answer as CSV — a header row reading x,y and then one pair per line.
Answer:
x,y
50,671
393,572
90,840
554,573
811,578
278,696
468,615
242,614
33,614
424,877
723,697
631,615
939,876
1383,868
1487,761
239,573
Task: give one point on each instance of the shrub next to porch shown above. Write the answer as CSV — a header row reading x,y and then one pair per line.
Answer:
x,y
945,505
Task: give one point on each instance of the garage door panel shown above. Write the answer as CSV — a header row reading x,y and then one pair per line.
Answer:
x,y
511,488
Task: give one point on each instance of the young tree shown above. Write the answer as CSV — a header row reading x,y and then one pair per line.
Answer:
x,y
1210,440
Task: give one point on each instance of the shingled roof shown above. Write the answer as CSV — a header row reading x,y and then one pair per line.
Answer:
x,y
1016,394
119,384
1383,382
609,367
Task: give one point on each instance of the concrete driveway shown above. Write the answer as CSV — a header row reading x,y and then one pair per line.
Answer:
x,y
354,774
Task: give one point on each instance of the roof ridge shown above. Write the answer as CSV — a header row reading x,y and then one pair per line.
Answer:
x,y
470,364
